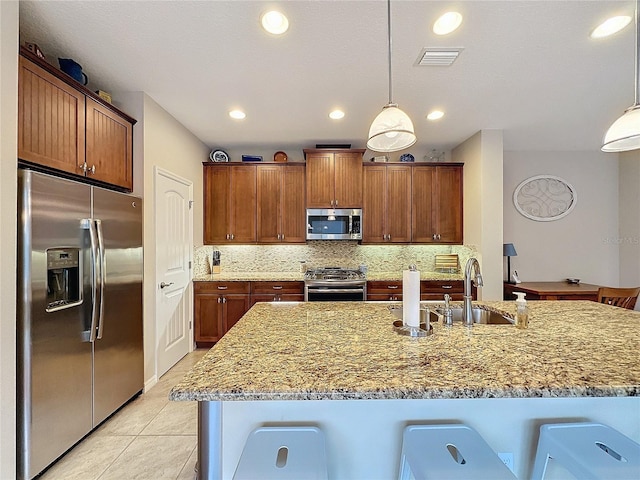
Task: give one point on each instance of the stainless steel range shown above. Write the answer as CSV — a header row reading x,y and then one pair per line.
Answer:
x,y
335,284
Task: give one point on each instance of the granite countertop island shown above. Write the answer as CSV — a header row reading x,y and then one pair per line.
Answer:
x,y
342,367
349,351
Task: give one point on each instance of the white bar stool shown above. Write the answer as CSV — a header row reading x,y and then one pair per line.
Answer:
x,y
445,452
588,451
283,453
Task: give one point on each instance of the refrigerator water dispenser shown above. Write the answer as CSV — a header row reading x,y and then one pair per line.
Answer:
x,y
64,286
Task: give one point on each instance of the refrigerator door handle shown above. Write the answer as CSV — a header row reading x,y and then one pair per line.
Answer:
x,y
89,224
102,277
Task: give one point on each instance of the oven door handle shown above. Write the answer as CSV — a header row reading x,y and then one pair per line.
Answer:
x,y
335,290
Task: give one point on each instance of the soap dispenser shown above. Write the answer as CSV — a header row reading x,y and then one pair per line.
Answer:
x,y
522,311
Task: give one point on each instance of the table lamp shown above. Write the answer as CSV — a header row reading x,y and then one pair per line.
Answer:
x,y
508,250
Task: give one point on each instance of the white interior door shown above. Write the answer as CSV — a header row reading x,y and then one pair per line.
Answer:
x,y
174,246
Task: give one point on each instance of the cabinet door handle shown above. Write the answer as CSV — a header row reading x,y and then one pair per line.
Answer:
x,y
222,287
224,300
277,287
282,236
219,299
227,236
447,287
232,236
336,203
438,236
393,287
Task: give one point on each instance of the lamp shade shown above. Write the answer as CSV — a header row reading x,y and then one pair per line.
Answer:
x,y
624,133
508,250
391,130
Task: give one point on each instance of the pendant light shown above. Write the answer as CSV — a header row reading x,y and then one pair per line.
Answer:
x,y
624,134
392,129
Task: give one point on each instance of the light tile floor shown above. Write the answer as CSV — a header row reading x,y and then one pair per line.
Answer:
x,y
151,438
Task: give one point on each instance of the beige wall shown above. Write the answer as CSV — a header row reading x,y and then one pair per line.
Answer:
x,y
8,156
160,141
629,219
482,158
584,244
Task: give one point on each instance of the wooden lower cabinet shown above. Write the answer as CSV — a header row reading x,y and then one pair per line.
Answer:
x,y
382,290
436,289
290,291
217,308
391,290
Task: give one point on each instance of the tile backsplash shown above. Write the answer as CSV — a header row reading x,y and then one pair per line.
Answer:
x,y
322,253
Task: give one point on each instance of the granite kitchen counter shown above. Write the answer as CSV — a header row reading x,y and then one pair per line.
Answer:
x,y
250,277
349,351
295,276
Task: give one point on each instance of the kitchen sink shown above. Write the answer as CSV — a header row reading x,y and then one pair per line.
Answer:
x,y
480,315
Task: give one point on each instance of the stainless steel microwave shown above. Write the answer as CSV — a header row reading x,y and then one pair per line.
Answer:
x,y
334,224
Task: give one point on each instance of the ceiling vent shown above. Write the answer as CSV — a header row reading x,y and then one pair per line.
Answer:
x,y
438,57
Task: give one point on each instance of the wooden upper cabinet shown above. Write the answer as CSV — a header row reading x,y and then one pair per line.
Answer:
x,y
280,205
229,203
437,204
64,126
51,120
334,178
387,204
109,139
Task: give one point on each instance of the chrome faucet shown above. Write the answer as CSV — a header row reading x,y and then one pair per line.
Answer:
x,y
472,264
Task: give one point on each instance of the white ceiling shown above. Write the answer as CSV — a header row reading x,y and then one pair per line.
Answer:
x,y
528,68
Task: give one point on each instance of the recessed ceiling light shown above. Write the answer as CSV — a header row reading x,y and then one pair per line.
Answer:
x,y
447,23
237,114
610,26
435,115
336,115
275,22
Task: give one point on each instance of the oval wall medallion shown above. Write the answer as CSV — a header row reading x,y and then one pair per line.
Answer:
x,y
544,198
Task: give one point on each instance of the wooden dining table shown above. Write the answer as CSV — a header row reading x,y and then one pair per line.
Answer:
x,y
552,291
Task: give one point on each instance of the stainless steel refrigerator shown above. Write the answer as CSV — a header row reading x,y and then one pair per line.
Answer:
x,y
79,312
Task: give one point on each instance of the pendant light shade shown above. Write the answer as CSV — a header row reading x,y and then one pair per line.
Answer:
x,y
392,129
624,134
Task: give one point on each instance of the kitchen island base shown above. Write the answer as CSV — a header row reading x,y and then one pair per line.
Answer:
x,y
364,437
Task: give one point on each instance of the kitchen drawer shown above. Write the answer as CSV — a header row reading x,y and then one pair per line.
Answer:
x,y
436,289
382,290
441,286
222,287
279,288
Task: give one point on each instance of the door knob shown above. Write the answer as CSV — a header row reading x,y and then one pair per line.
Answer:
x,y
162,284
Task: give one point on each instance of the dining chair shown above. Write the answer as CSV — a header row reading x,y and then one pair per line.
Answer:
x,y
619,297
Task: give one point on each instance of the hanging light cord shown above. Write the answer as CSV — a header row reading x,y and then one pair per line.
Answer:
x,y
637,63
389,43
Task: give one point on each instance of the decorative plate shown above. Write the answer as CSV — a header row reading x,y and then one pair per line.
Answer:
x,y
218,156
280,157
407,157
544,198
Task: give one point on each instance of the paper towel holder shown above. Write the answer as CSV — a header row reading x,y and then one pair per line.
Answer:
x,y
424,330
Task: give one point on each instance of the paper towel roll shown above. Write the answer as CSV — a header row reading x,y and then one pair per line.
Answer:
x,y
411,298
